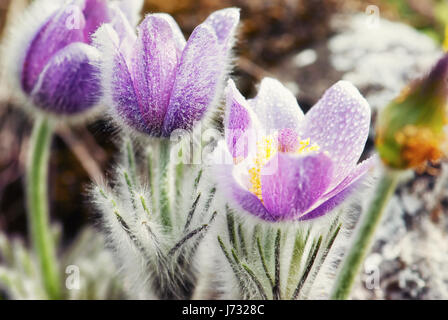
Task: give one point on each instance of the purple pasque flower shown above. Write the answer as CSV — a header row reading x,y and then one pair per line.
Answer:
x,y
156,82
58,71
291,166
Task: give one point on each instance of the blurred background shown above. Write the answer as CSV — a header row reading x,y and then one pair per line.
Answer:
x,y
307,44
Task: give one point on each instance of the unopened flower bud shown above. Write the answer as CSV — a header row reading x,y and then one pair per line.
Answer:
x,y
410,130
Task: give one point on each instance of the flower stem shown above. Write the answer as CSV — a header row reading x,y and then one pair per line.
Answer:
x,y
364,235
152,178
37,192
164,186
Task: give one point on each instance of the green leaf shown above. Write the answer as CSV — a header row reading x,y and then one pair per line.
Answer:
x,y
276,289
263,263
309,265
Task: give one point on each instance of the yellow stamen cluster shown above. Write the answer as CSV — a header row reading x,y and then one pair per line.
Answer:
x,y
266,149
419,144
305,146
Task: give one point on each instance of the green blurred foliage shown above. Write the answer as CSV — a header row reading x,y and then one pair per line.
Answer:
x,y
428,16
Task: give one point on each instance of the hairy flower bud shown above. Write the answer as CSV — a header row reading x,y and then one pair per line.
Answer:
x,y
51,57
410,130
156,82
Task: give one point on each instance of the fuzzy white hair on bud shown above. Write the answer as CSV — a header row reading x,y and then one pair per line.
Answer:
x,y
156,223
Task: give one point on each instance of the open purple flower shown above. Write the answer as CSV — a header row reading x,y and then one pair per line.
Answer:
x,y
156,82
58,71
291,166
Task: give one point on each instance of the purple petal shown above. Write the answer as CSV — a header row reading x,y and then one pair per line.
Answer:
x,y
276,107
229,178
196,81
359,171
336,196
154,63
70,83
239,195
201,71
224,23
125,32
178,36
237,123
339,124
291,184
124,97
52,37
250,203
96,13
329,205
120,23
120,92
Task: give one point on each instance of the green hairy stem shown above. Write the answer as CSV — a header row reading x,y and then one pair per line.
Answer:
x,y
164,183
364,235
37,192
